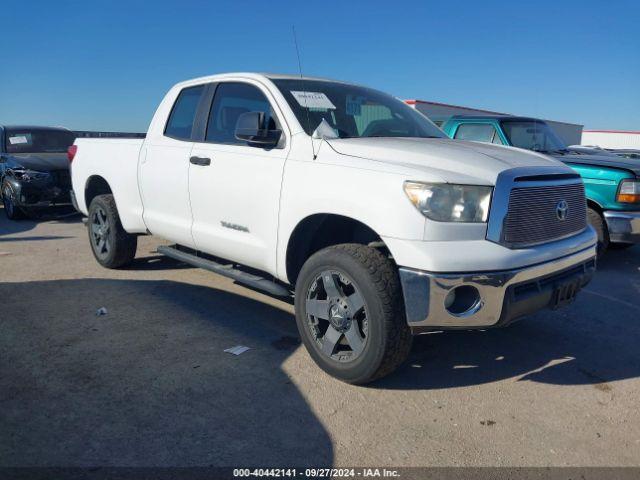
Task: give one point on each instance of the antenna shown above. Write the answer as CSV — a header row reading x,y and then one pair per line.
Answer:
x,y
295,41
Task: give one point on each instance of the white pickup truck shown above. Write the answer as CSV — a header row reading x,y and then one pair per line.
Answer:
x,y
346,198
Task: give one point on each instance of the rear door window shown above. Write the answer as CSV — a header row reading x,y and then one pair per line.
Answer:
x,y
180,123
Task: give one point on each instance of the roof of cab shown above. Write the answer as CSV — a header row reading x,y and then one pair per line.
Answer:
x,y
257,76
284,76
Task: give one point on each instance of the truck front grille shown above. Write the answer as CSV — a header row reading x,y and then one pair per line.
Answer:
x,y
540,214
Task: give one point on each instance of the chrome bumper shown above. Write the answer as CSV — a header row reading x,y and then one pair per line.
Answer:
x,y
502,296
624,227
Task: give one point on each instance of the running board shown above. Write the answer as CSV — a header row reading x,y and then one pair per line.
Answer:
x,y
254,281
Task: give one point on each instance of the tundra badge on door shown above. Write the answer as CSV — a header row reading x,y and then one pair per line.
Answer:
x,y
234,226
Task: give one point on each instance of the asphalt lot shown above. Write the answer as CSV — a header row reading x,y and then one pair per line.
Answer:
x,y
149,384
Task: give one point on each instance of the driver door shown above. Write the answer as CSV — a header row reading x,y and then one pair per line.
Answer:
x,y
235,187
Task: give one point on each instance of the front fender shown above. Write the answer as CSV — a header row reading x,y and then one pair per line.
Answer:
x,y
601,184
372,198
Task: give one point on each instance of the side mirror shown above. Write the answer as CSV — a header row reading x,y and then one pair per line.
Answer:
x,y
250,128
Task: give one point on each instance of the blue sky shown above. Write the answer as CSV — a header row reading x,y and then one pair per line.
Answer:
x,y
106,65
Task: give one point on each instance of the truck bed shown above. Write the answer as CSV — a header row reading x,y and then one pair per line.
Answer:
x,y
114,160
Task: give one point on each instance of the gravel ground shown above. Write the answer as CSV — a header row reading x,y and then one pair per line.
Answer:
x,y
149,383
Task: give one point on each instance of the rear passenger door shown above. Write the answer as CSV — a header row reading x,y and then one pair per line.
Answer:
x,y
164,171
234,186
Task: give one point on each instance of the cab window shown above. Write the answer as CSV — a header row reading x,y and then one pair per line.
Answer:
x,y
180,123
478,132
231,100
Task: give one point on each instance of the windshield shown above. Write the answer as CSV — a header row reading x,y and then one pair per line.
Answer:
x,y
352,111
38,140
532,135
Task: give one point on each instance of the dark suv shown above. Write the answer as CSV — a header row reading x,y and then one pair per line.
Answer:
x,y
34,169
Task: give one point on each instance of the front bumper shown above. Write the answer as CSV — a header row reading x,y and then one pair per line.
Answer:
x,y
503,296
624,227
32,196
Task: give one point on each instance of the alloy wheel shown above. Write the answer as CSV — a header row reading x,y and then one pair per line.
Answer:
x,y
100,230
336,316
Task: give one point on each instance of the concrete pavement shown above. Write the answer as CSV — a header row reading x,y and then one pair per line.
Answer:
x,y
149,384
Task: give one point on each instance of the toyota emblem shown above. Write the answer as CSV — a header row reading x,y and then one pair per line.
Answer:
x,y
562,209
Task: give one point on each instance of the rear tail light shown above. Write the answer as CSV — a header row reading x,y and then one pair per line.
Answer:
x,y
71,152
629,191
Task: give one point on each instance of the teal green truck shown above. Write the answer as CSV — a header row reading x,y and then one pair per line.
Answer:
x,y
612,183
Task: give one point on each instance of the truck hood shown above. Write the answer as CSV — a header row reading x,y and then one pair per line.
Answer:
x,y
606,161
42,162
453,160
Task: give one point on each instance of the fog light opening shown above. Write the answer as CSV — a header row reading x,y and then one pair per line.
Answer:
x,y
463,300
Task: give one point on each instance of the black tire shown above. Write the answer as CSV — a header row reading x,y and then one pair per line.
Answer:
x,y
387,341
598,224
111,245
11,210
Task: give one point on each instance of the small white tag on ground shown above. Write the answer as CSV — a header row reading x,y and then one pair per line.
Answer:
x,y
237,350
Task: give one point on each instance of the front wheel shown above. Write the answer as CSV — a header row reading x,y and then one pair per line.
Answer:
x,y
11,210
111,245
599,225
350,313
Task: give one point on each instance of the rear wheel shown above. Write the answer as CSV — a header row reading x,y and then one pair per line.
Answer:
x,y
11,210
599,225
111,245
350,313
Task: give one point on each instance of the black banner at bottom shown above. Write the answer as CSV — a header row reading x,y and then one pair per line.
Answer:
x,y
405,473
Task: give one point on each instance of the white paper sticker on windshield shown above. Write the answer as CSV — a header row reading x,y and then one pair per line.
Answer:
x,y
313,100
18,140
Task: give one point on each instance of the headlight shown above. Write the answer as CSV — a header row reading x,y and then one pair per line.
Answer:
x,y
629,191
27,175
444,202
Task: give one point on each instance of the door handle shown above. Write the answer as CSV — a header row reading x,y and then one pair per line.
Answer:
x,y
203,161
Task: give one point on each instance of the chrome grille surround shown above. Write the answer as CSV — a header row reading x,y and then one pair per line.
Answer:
x,y
524,206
